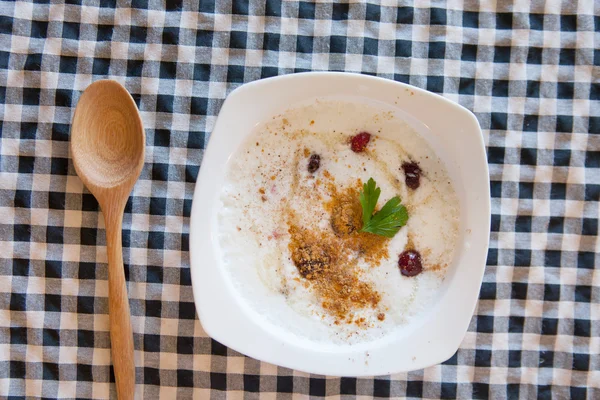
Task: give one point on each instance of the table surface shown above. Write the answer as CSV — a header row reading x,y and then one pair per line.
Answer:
x,y
529,72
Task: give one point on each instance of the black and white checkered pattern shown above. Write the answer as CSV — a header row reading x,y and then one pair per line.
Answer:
x,y
531,74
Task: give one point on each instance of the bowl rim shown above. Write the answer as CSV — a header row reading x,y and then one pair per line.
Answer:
x,y
239,331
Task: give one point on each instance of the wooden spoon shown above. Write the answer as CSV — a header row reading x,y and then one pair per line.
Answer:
x,y
107,146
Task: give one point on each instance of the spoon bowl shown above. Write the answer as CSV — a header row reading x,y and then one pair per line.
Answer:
x,y
107,147
107,140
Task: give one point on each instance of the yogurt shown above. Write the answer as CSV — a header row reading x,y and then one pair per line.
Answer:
x,y
270,194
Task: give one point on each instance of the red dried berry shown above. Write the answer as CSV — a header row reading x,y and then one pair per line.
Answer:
x,y
314,163
410,263
412,174
359,142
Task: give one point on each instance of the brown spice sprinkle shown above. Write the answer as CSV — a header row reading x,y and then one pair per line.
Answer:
x,y
437,267
346,222
346,213
311,258
334,276
327,175
328,258
261,190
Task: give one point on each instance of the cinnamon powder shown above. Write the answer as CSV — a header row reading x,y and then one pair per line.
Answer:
x,y
328,258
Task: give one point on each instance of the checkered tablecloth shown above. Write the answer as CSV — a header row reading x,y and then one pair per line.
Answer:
x,y
530,73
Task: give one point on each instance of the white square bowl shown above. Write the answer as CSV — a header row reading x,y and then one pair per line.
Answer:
x,y
453,133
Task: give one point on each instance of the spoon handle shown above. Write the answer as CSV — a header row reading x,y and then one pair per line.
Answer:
x,y
121,335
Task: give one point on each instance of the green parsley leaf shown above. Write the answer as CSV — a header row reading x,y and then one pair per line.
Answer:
x,y
368,199
387,221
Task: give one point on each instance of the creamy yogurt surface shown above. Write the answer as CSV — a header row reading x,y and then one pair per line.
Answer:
x,y
274,207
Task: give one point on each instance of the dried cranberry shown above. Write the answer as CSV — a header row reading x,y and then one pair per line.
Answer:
x,y
410,263
314,163
412,174
359,142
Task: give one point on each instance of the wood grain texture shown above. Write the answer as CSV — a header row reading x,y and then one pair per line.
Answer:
x,y
107,147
